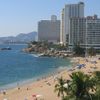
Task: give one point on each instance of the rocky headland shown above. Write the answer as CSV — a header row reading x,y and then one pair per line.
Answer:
x,y
48,49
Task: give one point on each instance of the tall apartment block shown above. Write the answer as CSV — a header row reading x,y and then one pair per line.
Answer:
x,y
77,30
85,31
93,32
49,30
69,11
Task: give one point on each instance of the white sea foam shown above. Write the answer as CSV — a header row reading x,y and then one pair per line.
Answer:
x,y
37,55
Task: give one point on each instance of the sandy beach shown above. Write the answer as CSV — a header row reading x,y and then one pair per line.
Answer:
x,y
44,88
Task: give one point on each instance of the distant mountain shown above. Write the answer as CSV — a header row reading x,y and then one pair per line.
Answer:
x,y
20,38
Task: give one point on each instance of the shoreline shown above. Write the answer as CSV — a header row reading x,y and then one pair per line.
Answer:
x,y
39,83
45,86
28,81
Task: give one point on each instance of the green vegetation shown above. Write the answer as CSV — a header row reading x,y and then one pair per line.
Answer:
x,y
49,45
97,94
98,51
91,51
80,87
78,51
59,87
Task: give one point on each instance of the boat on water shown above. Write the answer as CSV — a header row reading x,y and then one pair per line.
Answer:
x,y
5,48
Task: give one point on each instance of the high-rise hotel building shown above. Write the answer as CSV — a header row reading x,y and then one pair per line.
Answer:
x,y
85,31
49,30
77,30
93,32
69,11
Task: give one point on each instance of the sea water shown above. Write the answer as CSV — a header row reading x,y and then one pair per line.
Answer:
x,y
17,66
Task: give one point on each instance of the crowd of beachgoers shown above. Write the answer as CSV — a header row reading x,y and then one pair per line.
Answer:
x,y
43,89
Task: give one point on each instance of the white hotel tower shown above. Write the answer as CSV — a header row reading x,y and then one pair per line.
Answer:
x,y
69,11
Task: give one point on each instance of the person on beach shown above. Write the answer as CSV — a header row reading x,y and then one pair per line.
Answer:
x,y
4,92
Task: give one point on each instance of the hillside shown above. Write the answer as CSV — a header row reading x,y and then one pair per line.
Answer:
x,y
20,38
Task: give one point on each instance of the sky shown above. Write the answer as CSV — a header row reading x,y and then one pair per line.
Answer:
x,y
22,16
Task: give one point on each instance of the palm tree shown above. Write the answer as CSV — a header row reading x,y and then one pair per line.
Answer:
x,y
97,78
78,50
60,87
91,51
81,85
97,75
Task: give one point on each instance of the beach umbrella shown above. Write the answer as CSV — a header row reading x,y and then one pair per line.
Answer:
x,y
80,66
5,99
38,96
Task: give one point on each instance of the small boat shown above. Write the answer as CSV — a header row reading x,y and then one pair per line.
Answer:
x,y
5,48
